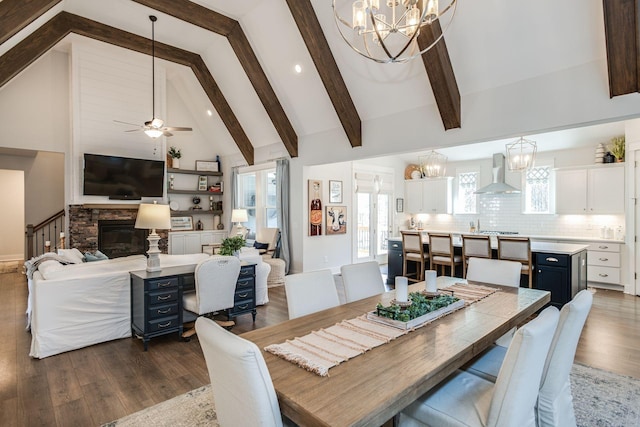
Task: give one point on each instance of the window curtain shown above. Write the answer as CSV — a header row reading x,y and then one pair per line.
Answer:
x,y
282,203
234,192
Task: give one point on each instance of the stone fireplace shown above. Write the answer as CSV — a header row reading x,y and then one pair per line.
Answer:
x,y
86,223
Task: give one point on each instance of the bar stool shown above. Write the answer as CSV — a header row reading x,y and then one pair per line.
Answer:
x,y
474,246
413,250
441,252
517,249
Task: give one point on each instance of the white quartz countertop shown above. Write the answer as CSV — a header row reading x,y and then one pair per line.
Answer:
x,y
532,237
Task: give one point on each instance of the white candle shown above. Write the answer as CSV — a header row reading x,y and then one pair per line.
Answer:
x,y
430,280
61,234
402,289
47,243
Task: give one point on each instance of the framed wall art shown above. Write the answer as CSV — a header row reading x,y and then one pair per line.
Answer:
x,y
207,166
315,207
202,183
181,223
335,191
336,220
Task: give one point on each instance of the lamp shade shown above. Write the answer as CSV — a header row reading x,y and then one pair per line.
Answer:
x,y
152,216
239,215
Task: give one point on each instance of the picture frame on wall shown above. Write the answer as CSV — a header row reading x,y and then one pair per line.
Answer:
x,y
181,223
336,220
335,191
315,207
399,205
207,166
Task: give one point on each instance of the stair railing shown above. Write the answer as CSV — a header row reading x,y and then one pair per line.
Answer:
x,y
44,237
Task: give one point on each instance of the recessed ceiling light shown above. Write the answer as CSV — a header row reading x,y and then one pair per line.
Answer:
x,y
209,112
298,68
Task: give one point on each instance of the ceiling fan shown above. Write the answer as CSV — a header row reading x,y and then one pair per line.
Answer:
x,y
155,127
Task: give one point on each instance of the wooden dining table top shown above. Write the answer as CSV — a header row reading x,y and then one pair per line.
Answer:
x,y
371,388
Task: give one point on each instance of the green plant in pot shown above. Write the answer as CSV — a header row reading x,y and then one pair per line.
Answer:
x,y
617,148
231,245
173,157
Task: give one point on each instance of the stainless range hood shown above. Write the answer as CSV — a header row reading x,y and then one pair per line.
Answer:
x,y
498,186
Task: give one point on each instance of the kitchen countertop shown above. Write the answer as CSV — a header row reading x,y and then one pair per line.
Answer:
x,y
536,247
532,237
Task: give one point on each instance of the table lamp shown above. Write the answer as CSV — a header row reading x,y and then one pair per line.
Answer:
x,y
239,216
150,217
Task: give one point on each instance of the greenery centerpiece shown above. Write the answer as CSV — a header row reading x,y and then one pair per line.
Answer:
x,y
173,157
231,245
420,305
617,148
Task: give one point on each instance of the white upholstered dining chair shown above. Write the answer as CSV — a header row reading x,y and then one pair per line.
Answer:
x,y
215,289
242,388
310,292
362,280
465,399
494,271
554,407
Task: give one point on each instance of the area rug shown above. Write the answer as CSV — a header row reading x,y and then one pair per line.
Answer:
x,y
600,398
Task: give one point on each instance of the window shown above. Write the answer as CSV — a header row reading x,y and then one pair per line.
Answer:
x,y
537,190
467,185
256,193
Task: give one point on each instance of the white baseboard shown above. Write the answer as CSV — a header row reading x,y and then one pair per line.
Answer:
x,y
12,257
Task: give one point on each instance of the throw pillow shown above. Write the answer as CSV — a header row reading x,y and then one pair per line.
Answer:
x,y
73,255
261,247
97,256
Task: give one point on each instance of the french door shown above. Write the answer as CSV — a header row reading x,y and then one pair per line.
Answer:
x,y
373,218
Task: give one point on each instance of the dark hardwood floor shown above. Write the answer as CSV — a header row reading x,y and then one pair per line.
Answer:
x,y
101,383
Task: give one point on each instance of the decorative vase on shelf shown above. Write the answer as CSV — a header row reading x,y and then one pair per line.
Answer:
x,y
169,161
176,163
600,153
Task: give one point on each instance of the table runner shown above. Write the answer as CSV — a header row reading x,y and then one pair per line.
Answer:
x,y
318,351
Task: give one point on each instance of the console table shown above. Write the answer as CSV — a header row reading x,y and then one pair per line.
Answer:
x,y
156,299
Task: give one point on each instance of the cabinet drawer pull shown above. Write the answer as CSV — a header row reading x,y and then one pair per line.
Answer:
x,y
164,285
163,298
603,247
603,275
164,325
243,295
603,259
395,245
552,259
243,307
168,310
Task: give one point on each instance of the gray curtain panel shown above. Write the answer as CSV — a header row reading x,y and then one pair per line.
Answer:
x,y
282,203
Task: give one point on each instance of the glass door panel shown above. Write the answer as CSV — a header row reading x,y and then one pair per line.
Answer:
x,y
363,237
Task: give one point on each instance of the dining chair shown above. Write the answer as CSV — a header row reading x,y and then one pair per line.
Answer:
x,y
310,292
554,407
215,289
243,392
474,245
413,251
362,280
517,249
464,399
494,271
441,252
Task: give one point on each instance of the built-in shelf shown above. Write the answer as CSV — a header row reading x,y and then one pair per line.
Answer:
x,y
196,211
192,172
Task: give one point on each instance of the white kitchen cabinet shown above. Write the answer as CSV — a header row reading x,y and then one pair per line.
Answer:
x,y
190,242
429,196
595,190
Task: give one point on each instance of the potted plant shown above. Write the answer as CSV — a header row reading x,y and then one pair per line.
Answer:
x,y
173,157
232,245
617,148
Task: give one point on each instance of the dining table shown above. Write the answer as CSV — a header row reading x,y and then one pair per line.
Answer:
x,y
371,388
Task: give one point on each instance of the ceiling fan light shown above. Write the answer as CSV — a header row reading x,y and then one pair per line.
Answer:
x,y
153,133
157,123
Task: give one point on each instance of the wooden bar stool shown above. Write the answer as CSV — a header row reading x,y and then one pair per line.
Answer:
x,y
517,249
474,246
441,252
413,250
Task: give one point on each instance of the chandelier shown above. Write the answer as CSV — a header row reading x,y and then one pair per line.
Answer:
x,y
433,164
386,30
521,154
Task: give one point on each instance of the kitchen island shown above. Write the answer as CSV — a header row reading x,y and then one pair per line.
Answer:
x,y
560,268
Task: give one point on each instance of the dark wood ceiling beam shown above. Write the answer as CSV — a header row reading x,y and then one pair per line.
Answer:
x,y
17,14
621,35
43,39
311,31
441,76
212,21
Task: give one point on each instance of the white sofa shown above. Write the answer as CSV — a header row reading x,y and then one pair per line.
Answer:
x,y
75,306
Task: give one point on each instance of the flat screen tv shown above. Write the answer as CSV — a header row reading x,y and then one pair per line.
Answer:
x,y
122,178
